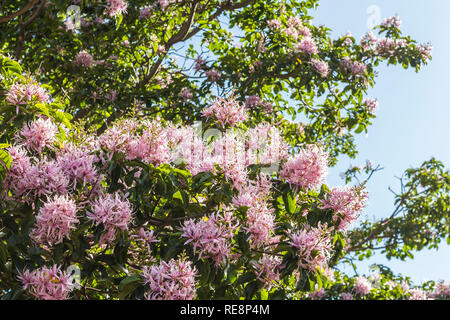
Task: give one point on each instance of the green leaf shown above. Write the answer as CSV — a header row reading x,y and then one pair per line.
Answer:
x,y
128,285
5,159
289,202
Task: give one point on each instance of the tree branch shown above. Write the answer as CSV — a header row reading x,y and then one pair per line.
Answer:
x,y
18,13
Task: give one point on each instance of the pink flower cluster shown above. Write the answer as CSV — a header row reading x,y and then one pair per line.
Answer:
x,y
347,39
368,41
211,236
295,28
84,59
356,68
78,165
213,75
392,22
260,219
441,290
29,179
38,134
200,64
226,112
389,47
47,283
116,7
425,51
165,3
173,280
256,101
55,220
417,294
113,212
145,12
313,246
146,140
346,296
147,237
34,174
321,67
186,94
307,45
317,294
20,94
371,104
267,270
265,145
362,286
274,24
307,169
346,203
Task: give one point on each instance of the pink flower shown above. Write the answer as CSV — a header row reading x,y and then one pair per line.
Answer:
x,y
147,237
111,96
356,68
321,67
38,134
265,145
392,22
226,112
307,169
78,165
84,59
368,41
55,221
441,290
47,283
145,13
116,7
346,203
313,246
268,269
362,286
253,101
425,51
200,63
186,94
346,296
291,32
417,294
113,212
274,24
347,39
371,104
17,175
317,294
211,236
44,178
145,140
165,3
307,45
213,75
48,178
173,280
20,94
260,224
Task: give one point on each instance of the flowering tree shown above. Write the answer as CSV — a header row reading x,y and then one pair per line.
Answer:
x,y
152,147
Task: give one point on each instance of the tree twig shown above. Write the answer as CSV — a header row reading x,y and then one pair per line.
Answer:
x,y
20,12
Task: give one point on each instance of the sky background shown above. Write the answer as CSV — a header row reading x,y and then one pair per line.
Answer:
x,y
412,123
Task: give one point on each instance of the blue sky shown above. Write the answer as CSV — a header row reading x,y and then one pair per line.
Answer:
x,y
412,123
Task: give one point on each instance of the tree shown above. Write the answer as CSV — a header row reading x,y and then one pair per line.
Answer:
x,y
150,138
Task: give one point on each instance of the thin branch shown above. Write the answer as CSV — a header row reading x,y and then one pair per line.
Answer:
x,y
35,14
20,12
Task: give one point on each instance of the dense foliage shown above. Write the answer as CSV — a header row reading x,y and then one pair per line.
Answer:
x,y
153,149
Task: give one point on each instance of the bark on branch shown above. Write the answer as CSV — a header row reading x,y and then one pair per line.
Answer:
x,y
18,13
